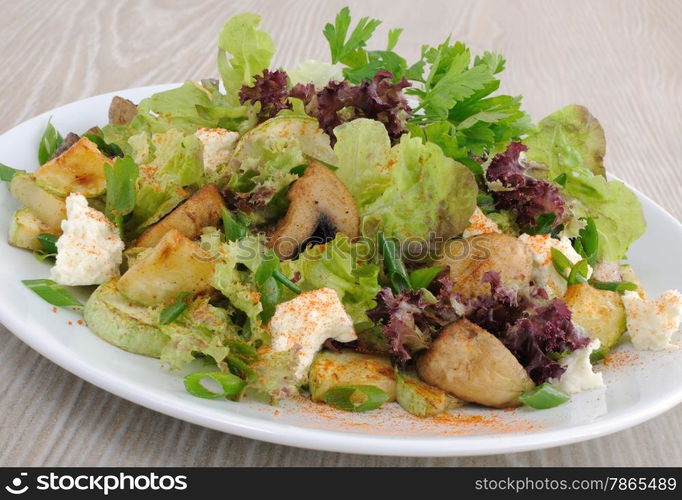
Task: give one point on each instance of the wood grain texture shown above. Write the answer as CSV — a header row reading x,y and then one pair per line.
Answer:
x,y
623,59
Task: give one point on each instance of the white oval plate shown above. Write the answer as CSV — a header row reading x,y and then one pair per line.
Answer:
x,y
639,385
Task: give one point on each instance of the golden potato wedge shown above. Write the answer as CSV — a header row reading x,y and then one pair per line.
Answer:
x,y
175,265
470,258
472,364
202,209
79,169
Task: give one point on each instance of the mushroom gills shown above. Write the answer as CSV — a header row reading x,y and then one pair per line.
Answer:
x,y
325,231
320,207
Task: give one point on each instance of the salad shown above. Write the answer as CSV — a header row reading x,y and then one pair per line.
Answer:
x,y
358,231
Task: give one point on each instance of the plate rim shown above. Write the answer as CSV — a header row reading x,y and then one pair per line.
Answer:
x,y
319,439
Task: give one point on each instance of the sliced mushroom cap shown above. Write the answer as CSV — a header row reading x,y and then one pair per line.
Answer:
x,y
470,258
121,111
321,206
472,364
202,209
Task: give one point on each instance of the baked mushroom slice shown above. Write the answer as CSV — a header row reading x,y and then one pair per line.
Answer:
x,y
468,259
121,111
472,364
200,210
321,206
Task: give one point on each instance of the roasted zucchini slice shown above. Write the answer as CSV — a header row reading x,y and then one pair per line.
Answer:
x,y
25,228
333,369
47,207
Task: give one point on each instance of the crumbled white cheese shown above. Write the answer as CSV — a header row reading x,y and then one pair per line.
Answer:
x,y
89,251
304,323
579,375
218,145
607,271
652,323
544,274
479,223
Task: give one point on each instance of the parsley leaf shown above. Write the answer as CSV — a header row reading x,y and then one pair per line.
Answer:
x,y
343,50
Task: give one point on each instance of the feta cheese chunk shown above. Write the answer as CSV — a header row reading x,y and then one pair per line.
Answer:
x,y
652,323
304,323
579,376
218,145
89,251
479,223
544,274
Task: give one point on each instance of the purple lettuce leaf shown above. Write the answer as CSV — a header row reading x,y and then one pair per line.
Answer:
x,y
529,197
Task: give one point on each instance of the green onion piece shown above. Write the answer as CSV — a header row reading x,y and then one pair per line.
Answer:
x,y
277,274
241,368
598,354
266,268
299,170
48,243
355,397
543,397
42,257
270,295
395,268
7,173
615,286
544,224
52,293
422,278
326,164
561,179
587,243
231,385
110,150
174,310
49,142
561,263
236,227
578,273
243,350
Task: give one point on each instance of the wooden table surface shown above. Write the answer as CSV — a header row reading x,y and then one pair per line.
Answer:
x,y
623,59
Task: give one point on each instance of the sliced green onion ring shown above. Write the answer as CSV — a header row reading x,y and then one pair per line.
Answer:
x,y
356,398
231,385
52,293
543,397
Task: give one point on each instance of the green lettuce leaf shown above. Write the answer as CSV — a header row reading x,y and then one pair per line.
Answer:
x,y
616,211
343,267
274,377
174,163
202,329
238,286
412,192
264,158
362,149
250,51
569,140
571,143
315,72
